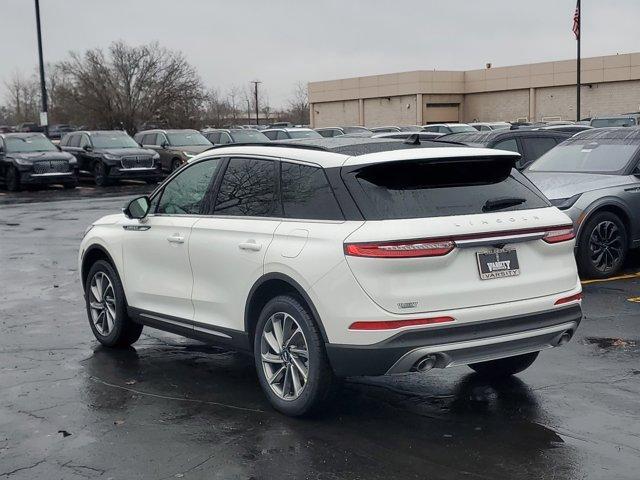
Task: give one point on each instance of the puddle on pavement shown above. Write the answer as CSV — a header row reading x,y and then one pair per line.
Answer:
x,y
608,343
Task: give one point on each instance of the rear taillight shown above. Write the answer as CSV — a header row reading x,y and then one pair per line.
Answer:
x,y
572,298
395,324
558,235
406,249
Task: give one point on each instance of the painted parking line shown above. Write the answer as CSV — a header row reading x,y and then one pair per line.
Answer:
x,y
628,276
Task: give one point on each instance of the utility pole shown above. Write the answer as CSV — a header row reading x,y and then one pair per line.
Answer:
x,y
248,111
255,91
577,31
43,86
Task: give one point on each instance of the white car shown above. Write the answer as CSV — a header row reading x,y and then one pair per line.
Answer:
x,y
342,257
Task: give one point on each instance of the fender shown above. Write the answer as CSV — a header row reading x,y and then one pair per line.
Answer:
x,y
92,248
296,286
607,202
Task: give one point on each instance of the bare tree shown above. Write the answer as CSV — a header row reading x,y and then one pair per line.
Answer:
x,y
299,105
23,98
234,97
127,86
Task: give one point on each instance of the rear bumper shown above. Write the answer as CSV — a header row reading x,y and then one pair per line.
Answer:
x,y
457,344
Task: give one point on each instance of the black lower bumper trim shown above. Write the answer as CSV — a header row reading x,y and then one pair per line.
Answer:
x,y
377,359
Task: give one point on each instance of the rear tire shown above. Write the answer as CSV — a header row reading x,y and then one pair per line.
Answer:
x,y
505,367
107,307
12,179
295,383
603,246
175,164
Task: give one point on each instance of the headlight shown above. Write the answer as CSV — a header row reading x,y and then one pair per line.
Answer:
x,y
156,156
22,161
188,155
565,203
108,156
73,160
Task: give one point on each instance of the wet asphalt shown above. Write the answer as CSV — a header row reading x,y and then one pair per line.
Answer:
x,y
175,408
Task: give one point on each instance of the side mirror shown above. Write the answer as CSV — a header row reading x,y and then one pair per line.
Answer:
x,y
137,208
87,148
164,144
635,172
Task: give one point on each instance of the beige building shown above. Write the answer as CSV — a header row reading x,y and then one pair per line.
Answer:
x,y
533,92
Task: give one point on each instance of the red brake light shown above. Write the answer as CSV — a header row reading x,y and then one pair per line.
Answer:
x,y
395,324
558,235
572,298
406,249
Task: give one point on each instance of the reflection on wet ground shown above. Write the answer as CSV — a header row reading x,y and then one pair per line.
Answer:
x,y
173,408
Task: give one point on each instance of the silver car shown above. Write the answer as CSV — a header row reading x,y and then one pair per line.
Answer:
x,y
594,177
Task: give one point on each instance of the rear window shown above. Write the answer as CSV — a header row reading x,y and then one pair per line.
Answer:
x,y
428,188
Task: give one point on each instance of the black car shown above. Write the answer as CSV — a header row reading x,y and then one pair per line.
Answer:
x,y
112,155
328,132
28,127
223,136
56,132
31,159
530,144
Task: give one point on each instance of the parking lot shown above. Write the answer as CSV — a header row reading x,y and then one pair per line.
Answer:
x,y
175,408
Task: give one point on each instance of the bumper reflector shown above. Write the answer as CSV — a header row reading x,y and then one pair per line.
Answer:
x,y
395,324
573,298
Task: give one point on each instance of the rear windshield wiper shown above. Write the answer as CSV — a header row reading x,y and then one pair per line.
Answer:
x,y
500,203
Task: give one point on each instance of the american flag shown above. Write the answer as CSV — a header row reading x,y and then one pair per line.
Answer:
x,y
576,22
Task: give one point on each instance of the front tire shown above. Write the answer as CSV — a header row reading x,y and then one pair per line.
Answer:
x,y
100,174
505,367
603,246
12,179
175,164
107,307
290,358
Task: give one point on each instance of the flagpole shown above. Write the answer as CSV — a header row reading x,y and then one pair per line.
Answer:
x,y
579,7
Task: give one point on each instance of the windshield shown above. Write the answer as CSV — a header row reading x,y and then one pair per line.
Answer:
x,y
113,140
304,134
31,143
249,136
589,156
461,128
184,139
612,122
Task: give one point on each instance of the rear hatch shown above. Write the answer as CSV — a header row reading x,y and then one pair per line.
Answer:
x,y
451,233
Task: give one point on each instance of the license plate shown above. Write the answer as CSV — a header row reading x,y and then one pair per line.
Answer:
x,y
498,264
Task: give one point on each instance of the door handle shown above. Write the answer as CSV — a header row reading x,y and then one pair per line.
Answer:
x,y
176,238
250,245
632,189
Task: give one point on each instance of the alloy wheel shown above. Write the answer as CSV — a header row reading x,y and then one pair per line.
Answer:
x,y
285,356
102,303
606,247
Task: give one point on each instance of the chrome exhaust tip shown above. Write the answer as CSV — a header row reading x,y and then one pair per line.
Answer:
x,y
425,363
564,338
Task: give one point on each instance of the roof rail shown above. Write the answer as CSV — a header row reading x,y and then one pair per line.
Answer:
x,y
269,144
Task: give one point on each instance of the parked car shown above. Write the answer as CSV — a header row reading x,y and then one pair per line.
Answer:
x,y
348,284
489,126
385,129
290,133
629,120
594,177
28,127
573,129
6,129
175,147
406,135
446,128
56,132
530,144
337,131
112,155
31,159
223,136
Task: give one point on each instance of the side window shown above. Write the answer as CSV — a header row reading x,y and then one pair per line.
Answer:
x,y
271,135
214,137
225,138
84,141
74,141
443,129
185,193
306,193
510,145
326,133
282,135
248,188
149,139
537,146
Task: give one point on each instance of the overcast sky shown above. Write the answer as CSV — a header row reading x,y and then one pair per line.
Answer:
x,y
281,42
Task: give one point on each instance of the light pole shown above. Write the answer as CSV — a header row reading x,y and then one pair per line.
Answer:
x,y
44,116
255,91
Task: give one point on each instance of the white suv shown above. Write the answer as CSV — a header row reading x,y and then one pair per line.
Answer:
x,y
347,257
